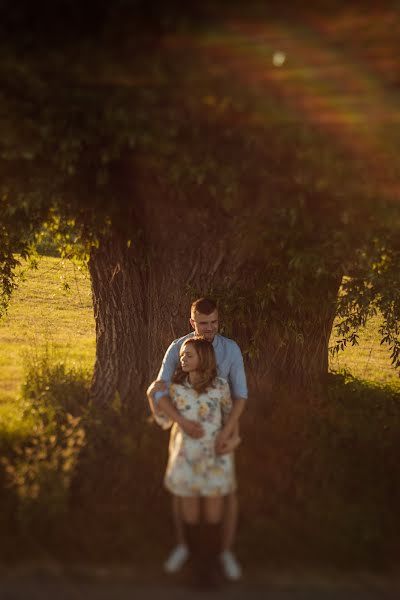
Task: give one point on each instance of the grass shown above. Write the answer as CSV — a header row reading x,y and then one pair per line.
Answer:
x,y
51,311
45,312
369,360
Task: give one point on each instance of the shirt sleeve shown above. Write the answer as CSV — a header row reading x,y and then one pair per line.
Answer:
x,y
237,375
169,363
161,418
168,366
226,401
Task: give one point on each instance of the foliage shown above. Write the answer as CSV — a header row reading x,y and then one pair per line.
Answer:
x,y
312,487
373,287
168,104
16,237
40,467
55,384
319,477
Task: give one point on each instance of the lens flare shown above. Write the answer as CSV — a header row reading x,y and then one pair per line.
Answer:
x,y
278,59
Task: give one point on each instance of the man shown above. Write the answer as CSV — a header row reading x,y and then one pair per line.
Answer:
x,y
204,321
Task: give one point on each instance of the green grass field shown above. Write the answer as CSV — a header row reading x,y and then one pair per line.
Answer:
x,y
43,316
43,313
369,360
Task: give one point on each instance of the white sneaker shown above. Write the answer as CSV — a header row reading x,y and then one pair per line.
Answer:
x,y
176,559
230,566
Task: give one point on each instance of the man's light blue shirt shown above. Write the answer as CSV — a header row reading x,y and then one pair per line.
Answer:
x,y
229,364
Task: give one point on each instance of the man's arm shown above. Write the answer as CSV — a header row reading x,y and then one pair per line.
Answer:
x,y
154,388
169,362
192,428
237,376
230,431
231,443
232,422
159,387
238,387
159,400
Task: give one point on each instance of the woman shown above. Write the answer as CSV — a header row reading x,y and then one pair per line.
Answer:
x,y
198,404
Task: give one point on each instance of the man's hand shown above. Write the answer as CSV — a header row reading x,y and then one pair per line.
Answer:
x,y
226,442
193,429
230,445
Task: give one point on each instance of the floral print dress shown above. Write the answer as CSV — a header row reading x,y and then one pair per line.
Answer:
x,y
194,469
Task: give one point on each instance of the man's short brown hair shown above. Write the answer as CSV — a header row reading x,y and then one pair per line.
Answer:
x,y
205,306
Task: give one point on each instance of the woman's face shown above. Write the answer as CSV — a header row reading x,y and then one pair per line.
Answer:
x,y
189,358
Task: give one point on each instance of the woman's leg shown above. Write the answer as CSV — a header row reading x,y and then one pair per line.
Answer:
x,y
190,507
180,553
213,506
190,510
229,521
213,509
178,522
230,565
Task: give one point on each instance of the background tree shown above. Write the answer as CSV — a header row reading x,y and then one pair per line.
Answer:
x,y
185,168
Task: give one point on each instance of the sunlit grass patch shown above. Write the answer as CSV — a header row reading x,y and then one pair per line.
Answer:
x,y
15,423
369,360
52,305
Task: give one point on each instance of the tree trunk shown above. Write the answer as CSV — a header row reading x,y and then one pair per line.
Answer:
x,y
142,291
142,303
120,316
297,356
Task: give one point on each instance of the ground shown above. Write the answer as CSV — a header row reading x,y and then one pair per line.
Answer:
x,y
38,583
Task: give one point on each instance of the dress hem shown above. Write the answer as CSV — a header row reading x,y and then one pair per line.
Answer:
x,y
200,494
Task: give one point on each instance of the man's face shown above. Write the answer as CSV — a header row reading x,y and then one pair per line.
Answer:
x,y
205,325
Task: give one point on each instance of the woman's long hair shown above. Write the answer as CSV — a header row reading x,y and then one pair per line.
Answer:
x,y
207,368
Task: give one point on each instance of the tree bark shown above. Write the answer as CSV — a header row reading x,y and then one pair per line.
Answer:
x,y
142,303
297,357
141,290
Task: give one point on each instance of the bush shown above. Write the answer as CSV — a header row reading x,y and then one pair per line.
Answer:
x,y
319,477
50,382
47,245
39,468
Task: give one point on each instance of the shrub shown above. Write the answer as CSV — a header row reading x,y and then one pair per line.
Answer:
x,y
40,467
50,382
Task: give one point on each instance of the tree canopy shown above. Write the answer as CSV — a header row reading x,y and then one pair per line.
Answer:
x,y
136,99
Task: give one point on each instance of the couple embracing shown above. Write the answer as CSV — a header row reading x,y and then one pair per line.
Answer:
x,y
201,392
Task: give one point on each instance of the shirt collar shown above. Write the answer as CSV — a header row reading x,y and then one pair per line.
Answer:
x,y
215,340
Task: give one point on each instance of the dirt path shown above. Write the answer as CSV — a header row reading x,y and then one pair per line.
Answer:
x,y
125,584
